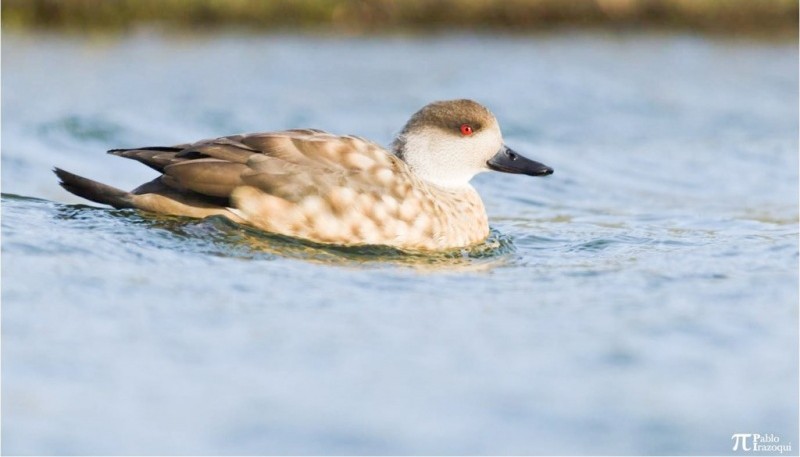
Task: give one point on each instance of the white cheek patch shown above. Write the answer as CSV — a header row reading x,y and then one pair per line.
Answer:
x,y
449,160
488,143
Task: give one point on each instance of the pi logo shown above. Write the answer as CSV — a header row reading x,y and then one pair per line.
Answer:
x,y
740,439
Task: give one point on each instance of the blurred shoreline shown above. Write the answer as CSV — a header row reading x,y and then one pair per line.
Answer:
x,y
750,18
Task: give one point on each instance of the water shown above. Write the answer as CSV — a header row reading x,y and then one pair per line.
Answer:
x,y
643,299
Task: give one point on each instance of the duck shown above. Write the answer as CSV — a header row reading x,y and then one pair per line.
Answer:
x,y
332,189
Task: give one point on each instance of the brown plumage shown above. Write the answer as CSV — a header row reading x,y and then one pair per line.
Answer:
x,y
309,184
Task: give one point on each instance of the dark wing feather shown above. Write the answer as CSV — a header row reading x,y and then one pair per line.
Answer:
x,y
213,177
290,164
155,157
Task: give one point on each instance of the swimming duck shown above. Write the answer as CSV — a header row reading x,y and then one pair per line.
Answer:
x,y
333,189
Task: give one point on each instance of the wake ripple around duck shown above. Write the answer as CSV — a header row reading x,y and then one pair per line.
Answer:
x,y
218,236
231,238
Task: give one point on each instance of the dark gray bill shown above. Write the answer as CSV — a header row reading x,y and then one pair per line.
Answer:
x,y
508,161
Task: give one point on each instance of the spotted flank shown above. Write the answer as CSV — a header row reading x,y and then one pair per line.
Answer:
x,y
326,188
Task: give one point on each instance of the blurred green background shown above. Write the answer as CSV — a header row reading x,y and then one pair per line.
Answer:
x,y
747,17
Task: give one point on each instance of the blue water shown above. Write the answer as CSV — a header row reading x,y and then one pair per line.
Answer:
x,y
643,299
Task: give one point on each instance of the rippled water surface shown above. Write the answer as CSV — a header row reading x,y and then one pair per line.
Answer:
x,y
643,299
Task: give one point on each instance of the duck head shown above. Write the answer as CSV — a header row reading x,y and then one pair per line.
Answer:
x,y
448,142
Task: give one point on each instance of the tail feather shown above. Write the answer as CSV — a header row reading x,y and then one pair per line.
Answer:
x,y
94,191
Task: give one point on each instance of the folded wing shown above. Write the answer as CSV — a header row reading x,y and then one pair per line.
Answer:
x,y
306,183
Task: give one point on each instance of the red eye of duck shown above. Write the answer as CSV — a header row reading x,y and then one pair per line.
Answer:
x,y
466,129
